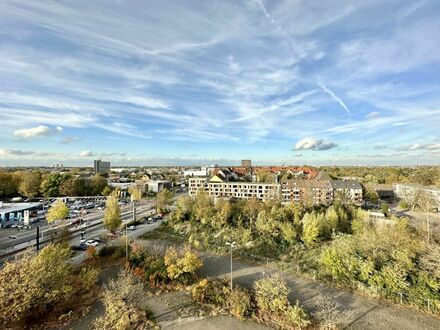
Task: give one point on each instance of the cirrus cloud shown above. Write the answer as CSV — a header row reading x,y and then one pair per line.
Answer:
x,y
312,143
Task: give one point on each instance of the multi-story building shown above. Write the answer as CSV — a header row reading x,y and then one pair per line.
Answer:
x,y
247,190
307,191
100,167
410,192
323,191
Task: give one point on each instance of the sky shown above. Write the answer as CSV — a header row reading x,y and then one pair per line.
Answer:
x,y
205,82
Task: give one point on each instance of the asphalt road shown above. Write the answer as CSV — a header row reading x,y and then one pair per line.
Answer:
x,y
25,236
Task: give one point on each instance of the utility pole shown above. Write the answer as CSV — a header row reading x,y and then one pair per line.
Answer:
x,y
38,238
231,245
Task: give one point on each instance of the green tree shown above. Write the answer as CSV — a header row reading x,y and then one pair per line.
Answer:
x,y
107,191
164,198
8,185
30,184
97,184
112,216
57,211
33,282
311,228
50,186
136,193
73,187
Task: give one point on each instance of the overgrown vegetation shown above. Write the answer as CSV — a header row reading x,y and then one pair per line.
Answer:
x,y
268,302
171,269
40,287
337,244
122,300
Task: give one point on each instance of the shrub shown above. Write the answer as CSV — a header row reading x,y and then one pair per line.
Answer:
x,y
328,314
181,266
403,204
122,300
88,276
211,292
91,252
156,273
239,303
273,305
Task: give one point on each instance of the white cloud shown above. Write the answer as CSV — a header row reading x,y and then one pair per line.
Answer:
x,y
314,144
37,131
33,132
14,152
87,153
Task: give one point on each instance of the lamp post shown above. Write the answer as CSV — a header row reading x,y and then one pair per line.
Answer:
x,y
231,245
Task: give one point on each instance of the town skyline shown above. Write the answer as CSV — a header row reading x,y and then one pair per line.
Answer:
x,y
275,82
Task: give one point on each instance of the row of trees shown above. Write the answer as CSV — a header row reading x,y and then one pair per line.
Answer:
x,y
267,226
34,184
423,175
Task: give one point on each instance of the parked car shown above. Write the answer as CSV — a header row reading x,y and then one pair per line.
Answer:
x,y
14,225
91,242
79,247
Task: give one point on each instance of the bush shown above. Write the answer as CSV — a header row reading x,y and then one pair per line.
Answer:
x,y
112,251
273,305
88,276
328,314
91,252
211,292
239,303
403,204
122,300
181,266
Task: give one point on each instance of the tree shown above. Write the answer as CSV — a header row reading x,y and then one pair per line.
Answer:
x,y
97,184
112,216
50,186
8,186
58,211
33,282
107,191
73,187
265,176
164,198
311,228
136,193
30,184
122,300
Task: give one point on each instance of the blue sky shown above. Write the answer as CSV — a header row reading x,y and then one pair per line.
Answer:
x,y
204,82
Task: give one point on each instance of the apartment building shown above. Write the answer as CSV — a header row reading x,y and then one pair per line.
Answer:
x,y
410,191
307,191
216,188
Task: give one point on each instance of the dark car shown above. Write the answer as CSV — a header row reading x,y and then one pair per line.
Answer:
x,y
79,247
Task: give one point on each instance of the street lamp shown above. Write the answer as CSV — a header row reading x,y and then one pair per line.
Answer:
x,y
231,245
